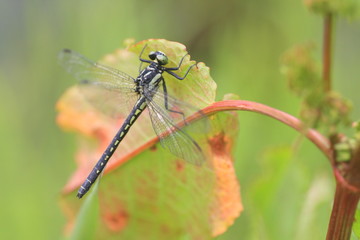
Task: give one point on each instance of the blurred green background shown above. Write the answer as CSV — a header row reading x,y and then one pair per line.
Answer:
x,y
286,195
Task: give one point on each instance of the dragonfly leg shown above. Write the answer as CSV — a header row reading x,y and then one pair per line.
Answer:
x,y
167,106
177,68
177,76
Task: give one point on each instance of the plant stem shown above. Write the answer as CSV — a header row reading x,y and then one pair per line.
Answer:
x,y
347,197
235,105
327,53
347,175
342,216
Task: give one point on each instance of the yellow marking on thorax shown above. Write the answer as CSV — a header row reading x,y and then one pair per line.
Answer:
x,y
154,80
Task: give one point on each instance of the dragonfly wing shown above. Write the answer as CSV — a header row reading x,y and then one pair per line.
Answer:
x,y
179,142
109,90
110,102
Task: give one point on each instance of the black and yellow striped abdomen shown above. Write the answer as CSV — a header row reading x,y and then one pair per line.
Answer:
x,y
100,165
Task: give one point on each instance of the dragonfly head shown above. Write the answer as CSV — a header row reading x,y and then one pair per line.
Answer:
x,y
160,57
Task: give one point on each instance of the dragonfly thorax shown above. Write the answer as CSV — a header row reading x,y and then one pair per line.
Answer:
x,y
150,76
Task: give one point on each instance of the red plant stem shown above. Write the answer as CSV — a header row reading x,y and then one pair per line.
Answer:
x,y
230,105
347,196
327,43
347,193
342,216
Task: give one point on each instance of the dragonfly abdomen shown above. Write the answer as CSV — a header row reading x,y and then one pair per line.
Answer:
x,y
99,167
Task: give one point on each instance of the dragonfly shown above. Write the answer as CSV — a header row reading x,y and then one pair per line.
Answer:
x,y
147,90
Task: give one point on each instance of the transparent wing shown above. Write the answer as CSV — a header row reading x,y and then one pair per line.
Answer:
x,y
112,103
179,142
107,89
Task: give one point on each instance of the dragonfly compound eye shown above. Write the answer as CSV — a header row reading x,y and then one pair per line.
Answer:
x,y
152,55
162,59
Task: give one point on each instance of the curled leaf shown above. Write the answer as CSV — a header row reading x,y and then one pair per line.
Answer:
x,y
145,190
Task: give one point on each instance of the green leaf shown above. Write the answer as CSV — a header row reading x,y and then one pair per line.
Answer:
x,y
146,191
